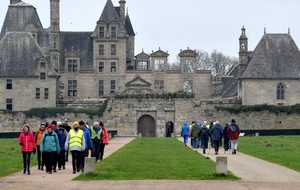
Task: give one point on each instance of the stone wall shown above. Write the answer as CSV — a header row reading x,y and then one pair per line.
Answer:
x,y
123,114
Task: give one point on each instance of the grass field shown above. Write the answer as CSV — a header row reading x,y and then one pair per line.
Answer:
x,y
11,157
156,158
283,150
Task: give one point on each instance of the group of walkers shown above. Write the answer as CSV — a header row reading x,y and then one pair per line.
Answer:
x,y
213,132
53,142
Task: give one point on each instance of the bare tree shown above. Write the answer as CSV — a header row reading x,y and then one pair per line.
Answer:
x,y
203,62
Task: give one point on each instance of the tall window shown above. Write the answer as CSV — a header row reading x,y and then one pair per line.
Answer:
x,y
113,49
46,93
142,65
113,32
9,104
101,49
159,65
159,84
113,67
37,93
101,67
101,88
42,76
72,65
72,87
101,32
188,66
112,86
9,84
280,91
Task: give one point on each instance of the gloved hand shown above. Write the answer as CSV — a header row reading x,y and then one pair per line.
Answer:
x,y
21,143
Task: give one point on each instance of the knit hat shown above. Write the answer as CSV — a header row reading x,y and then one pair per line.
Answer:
x,y
54,122
75,124
51,126
101,123
81,122
232,121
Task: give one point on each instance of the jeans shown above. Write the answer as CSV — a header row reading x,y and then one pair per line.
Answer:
x,y
195,142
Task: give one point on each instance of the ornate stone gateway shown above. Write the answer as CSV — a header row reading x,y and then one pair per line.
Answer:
x,y
146,126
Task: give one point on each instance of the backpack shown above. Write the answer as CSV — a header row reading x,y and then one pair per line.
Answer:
x,y
233,128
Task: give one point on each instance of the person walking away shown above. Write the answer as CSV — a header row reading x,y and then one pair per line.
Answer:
x,y
225,137
67,129
185,133
216,136
38,137
88,143
194,135
49,148
62,154
27,142
233,132
204,137
96,132
76,144
103,142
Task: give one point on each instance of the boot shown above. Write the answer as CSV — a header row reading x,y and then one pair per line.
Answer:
x,y
24,171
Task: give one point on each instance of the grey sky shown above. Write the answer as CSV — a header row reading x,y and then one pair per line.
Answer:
x,y
177,24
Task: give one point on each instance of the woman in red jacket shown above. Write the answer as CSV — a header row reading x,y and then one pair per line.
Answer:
x,y
27,142
104,141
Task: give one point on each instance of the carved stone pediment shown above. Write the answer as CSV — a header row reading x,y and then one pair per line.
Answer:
x,y
138,82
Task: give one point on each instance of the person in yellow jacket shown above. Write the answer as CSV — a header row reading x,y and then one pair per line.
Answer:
x,y
76,144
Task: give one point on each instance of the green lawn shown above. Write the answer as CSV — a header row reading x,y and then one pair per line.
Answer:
x,y
156,158
283,150
11,157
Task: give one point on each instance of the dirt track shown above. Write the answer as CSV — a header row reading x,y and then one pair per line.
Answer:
x,y
255,174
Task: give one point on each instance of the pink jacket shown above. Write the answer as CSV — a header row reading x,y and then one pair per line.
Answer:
x,y
105,137
27,140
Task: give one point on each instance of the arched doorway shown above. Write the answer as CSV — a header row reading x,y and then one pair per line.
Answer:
x,y
169,128
146,126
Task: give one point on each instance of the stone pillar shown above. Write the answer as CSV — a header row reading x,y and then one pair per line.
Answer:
x,y
221,167
89,165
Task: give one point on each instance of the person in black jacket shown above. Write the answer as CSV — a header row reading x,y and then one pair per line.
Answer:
x,y
216,136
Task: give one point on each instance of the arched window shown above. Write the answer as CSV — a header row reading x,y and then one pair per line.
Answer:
x,y
280,91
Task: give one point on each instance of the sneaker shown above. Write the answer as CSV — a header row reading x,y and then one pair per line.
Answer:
x,y
50,172
42,168
64,167
74,172
54,170
28,172
24,172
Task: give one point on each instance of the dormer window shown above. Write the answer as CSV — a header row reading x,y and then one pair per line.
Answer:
x,y
42,65
72,65
101,32
159,65
113,32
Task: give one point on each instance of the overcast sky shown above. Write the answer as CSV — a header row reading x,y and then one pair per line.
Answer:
x,y
177,24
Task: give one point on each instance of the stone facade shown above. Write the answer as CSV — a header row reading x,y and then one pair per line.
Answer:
x,y
123,115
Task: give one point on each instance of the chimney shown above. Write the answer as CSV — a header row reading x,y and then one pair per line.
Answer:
x,y
122,11
15,1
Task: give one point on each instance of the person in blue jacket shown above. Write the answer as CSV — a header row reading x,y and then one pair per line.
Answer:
x,y
185,133
88,142
62,156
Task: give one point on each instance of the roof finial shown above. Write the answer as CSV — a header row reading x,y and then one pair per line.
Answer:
x,y
264,30
289,30
127,11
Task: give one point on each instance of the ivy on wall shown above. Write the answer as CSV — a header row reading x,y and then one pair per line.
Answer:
x,y
52,112
258,108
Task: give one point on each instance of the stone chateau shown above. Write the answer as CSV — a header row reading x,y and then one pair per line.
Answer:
x,y
47,67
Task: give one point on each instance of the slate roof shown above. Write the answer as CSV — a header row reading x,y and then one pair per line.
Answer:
x,y
275,57
18,16
80,42
230,87
128,26
19,53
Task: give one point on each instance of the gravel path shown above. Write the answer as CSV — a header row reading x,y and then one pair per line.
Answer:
x,y
255,173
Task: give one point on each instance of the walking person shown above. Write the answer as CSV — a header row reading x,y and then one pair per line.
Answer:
x,y
185,133
62,154
38,137
96,132
76,144
103,142
56,130
67,129
194,135
49,148
226,137
216,136
233,132
27,142
88,143
204,137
